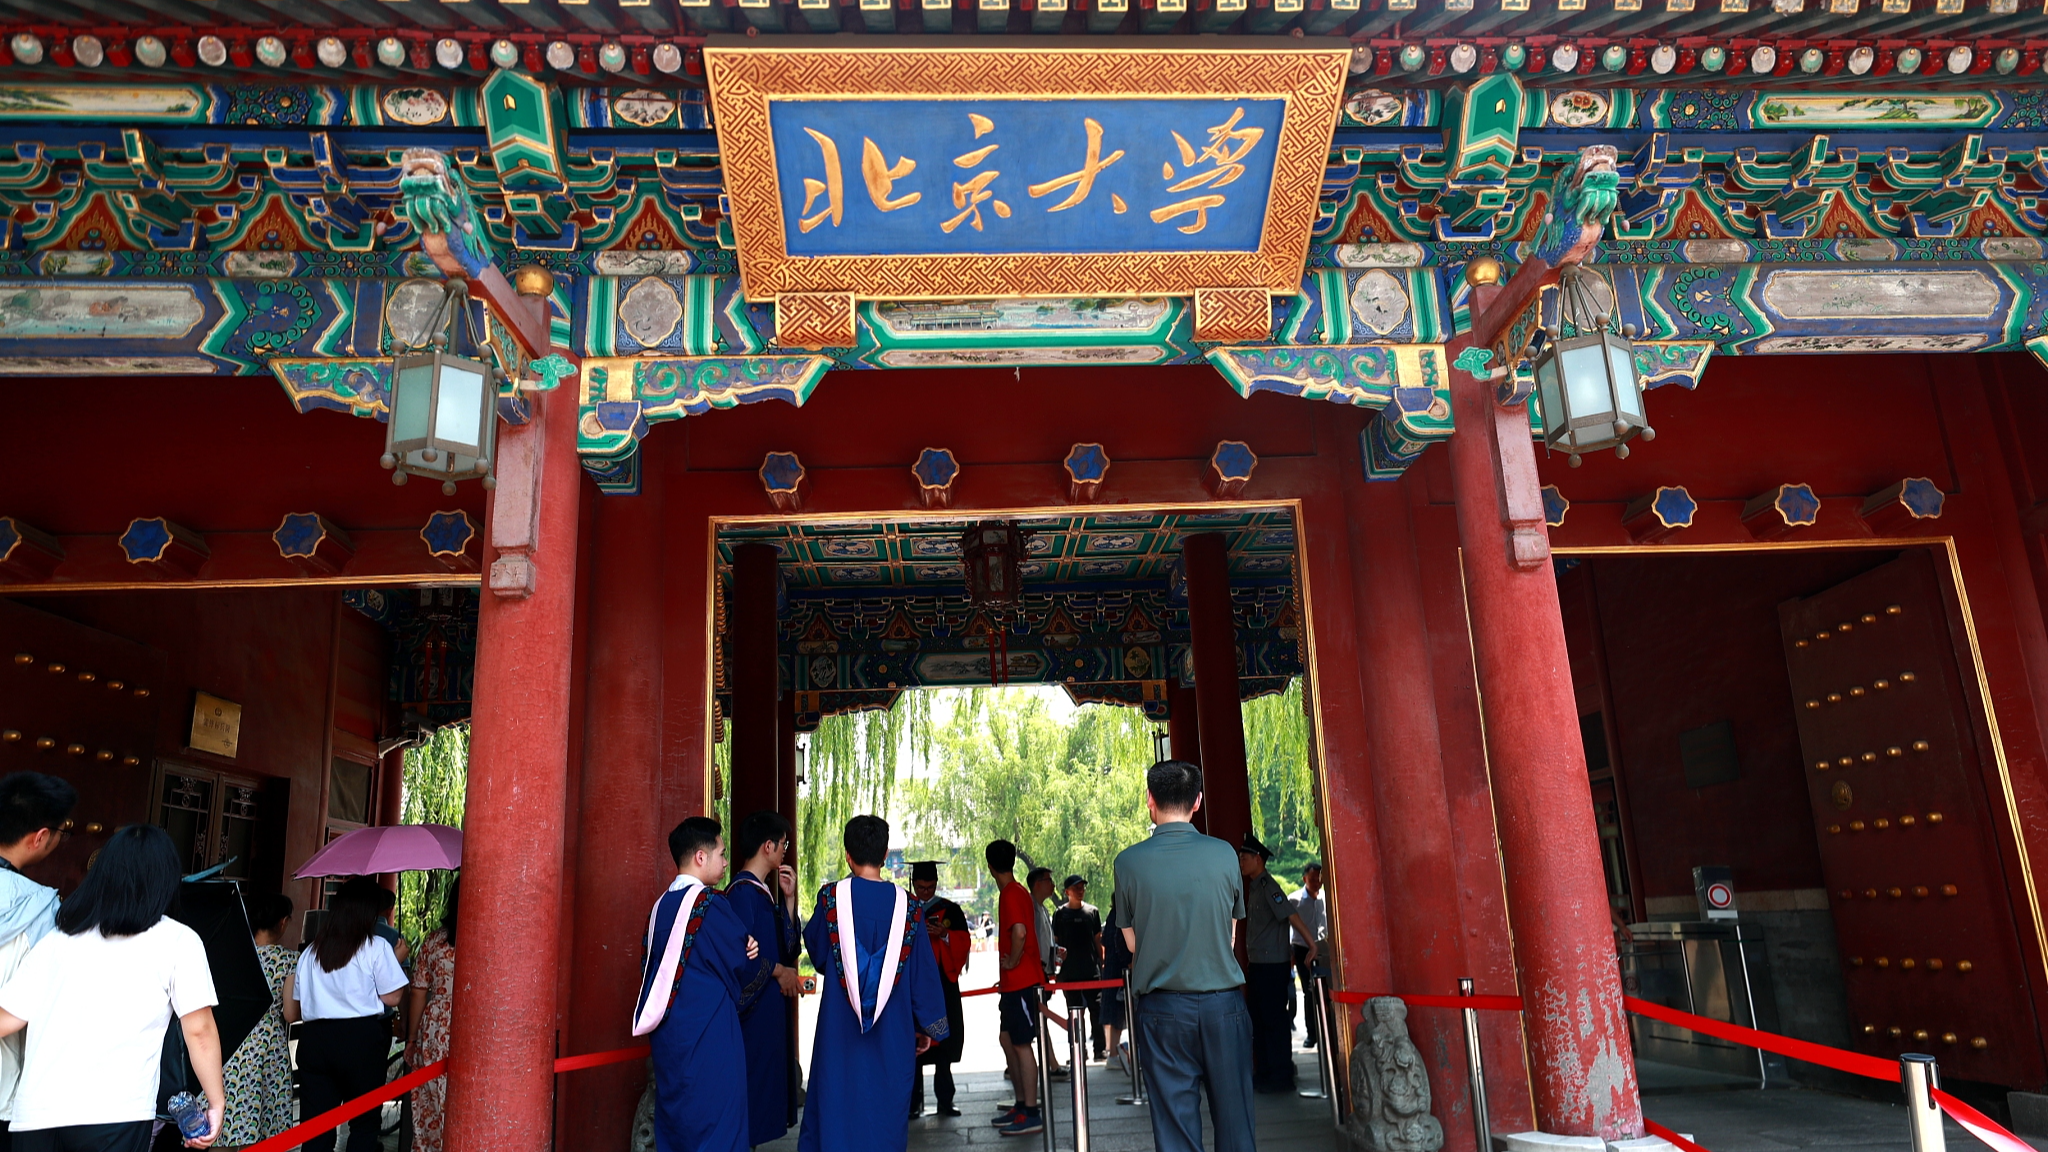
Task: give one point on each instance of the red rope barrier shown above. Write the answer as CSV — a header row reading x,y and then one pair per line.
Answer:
x,y
1656,1129
1979,1125
1076,986
341,1114
1854,1063
1976,1123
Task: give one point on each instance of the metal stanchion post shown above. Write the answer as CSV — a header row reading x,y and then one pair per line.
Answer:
x,y
1044,1071
1475,1068
1314,993
1133,1033
1077,1059
1333,1076
1923,1115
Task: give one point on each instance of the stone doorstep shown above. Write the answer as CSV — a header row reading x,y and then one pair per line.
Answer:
x,y
2029,1113
1546,1142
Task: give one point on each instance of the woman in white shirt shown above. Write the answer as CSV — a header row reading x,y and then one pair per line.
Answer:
x,y
96,996
344,981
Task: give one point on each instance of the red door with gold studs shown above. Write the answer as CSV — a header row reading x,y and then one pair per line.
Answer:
x,y
1908,840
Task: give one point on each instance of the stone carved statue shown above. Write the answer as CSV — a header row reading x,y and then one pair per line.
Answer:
x,y
1389,1085
643,1121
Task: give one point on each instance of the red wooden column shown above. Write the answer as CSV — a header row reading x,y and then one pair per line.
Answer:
x,y
501,1076
618,818
1184,733
1416,844
785,761
1213,637
1580,1060
1183,723
750,646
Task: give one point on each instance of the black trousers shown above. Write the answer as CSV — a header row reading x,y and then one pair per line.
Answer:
x,y
942,1086
1309,1007
340,1060
130,1136
1091,1000
1272,1047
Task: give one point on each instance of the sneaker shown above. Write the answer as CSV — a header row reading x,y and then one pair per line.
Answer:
x,y
1008,1116
1060,1074
1031,1123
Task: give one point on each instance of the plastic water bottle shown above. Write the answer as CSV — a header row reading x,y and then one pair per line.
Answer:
x,y
189,1111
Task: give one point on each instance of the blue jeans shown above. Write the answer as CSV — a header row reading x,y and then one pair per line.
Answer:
x,y
1195,1040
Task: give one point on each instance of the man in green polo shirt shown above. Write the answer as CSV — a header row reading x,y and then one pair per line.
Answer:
x,y
1177,895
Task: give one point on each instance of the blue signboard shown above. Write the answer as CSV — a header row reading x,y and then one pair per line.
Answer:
x,y
910,177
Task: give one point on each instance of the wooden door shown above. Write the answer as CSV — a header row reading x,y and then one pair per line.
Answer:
x,y
1908,841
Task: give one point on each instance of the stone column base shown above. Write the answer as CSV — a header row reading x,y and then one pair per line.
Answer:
x,y
1545,1142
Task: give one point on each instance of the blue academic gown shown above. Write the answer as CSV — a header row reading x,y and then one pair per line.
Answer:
x,y
859,1095
700,1078
765,1023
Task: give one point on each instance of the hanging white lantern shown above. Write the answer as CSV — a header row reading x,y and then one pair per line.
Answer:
x,y
444,413
1587,389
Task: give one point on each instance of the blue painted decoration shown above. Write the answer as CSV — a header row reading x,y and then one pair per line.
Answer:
x,y
1234,460
1922,498
300,534
882,177
1087,464
781,472
1554,506
448,534
146,539
1798,505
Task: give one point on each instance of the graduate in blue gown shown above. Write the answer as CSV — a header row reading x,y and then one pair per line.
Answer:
x,y
763,894
702,970
867,941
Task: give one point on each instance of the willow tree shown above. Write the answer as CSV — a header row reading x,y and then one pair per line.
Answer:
x,y
436,782
851,770
1068,793
1282,780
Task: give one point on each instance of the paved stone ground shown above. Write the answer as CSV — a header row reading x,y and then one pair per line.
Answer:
x,y
1781,1119
1284,1122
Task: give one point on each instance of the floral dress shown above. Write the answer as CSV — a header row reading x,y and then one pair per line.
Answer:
x,y
259,1074
433,970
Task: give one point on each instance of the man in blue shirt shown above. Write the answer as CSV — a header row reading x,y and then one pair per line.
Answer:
x,y
1177,895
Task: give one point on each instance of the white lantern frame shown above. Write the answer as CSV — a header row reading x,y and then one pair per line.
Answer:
x,y
1588,391
443,418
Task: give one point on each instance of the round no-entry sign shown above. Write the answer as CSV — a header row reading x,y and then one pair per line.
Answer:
x,y
1720,895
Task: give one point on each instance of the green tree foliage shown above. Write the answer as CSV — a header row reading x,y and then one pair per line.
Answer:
x,y
1069,795
851,769
981,764
1282,780
436,780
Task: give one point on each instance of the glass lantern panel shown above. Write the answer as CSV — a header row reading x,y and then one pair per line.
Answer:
x,y
1584,369
411,395
1550,401
1628,389
458,412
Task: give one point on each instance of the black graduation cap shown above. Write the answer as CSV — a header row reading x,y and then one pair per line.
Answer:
x,y
925,870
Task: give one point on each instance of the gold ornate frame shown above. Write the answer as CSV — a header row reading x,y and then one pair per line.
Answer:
x,y
1307,74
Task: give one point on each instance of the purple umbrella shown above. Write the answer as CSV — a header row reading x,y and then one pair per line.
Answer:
x,y
393,848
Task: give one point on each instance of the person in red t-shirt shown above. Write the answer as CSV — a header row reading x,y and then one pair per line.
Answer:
x,y
1017,944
